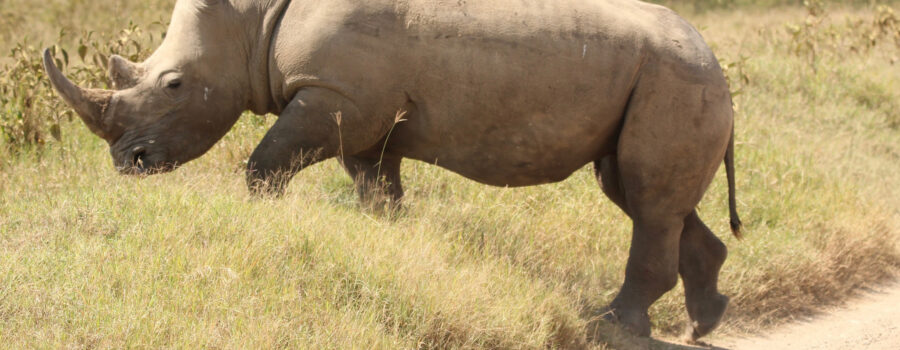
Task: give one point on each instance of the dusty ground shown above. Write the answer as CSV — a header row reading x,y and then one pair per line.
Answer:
x,y
870,321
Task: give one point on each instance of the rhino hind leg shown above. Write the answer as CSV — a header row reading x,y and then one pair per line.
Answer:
x,y
671,144
607,172
645,279
649,273
376,179
701,257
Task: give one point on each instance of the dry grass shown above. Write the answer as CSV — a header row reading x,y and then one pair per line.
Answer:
x,y
92,259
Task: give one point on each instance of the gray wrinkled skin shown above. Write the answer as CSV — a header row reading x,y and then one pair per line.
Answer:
x,y
504,92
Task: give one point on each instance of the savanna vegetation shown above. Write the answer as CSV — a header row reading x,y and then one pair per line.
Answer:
x,y
91,259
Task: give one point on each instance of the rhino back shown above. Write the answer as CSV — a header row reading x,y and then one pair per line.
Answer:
x,y
507,92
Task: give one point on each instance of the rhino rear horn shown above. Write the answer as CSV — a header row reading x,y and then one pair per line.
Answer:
x,y
123,73
90,104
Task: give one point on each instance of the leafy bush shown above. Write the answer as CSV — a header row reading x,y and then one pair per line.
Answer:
x,y
818,32
29,109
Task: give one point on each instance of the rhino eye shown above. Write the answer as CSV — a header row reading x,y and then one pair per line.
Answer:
x,y
174,84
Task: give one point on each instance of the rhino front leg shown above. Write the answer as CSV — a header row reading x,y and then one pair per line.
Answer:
x,y
377,179
317,124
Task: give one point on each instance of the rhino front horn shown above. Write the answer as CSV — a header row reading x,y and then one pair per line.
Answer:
x,y
90,104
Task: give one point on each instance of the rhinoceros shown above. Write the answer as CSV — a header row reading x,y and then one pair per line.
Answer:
x,y
504,92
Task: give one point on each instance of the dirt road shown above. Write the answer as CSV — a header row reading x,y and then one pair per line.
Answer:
x,y
870,321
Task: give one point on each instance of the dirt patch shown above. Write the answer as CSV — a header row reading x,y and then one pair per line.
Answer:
x,y
869,321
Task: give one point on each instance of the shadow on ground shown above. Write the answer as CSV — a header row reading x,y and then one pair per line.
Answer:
x,y
659,344
617,338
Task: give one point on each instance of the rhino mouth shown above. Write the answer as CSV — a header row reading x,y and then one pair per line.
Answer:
x,y
140,160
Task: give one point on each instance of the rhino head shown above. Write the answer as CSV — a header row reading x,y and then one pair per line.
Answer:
x,y
177,104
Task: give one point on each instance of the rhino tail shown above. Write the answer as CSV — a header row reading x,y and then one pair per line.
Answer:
x,y
732,201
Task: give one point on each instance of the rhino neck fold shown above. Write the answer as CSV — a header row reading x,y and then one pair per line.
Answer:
x,y
267,15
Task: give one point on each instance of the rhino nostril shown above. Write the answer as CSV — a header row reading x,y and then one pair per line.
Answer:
x,y
138,155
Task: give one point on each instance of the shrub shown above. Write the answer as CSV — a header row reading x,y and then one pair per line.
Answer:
x,y
30,113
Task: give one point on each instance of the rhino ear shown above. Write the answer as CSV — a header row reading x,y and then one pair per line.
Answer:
x,y
122,73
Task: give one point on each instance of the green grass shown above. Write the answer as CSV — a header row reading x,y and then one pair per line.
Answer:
x,y
90,259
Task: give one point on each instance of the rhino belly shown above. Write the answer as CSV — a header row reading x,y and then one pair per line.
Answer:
x,y
522,150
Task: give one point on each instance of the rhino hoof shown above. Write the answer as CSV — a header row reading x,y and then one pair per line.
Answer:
x,y
707,319
635,322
